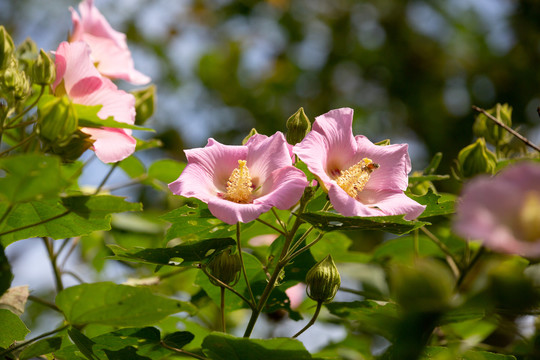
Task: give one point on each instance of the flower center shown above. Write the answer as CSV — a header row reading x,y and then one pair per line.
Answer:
x,y
239,186
354,179
529,216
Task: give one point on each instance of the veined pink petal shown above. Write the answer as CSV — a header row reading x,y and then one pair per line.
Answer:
x,y
232,213
284,188
330,149
73,64
111,145
109,47
266,154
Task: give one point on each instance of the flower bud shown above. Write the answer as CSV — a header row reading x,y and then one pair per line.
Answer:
x,y
44,70
26,53
73,147
323,280
251,133
493,133
225,267
57,120
298,126
476,159
145,103
6,48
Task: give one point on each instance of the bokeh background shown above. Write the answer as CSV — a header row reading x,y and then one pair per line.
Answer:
x,y
411,70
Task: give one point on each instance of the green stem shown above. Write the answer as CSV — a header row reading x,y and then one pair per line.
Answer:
x,y
181,351
312,321
271,226
238,243
222,309
449,256
13,120
222,284
416,244
279,220
23,124
473,262
299,241
56,270
298,252
44,303
19,144
36,224
23,344
106,178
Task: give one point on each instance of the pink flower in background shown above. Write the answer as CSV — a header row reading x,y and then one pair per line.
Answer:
x,y
83,84
296,294
362,179
110,52
503,211
239,183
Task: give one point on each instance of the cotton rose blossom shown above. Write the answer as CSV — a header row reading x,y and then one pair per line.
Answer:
x,y
361,178
239,183
78,78
109,47
503,211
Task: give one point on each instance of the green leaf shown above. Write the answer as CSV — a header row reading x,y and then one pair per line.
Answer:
x,y
178,339
330,222
30,177
219,346
120,305
41,347
132,166
368,315
58,219
184,254
6,276
194,221
11,328
166,170
88,118
436,204
83,343
123,344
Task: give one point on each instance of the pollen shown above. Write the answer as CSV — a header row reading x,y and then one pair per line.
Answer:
x,y
354,179
239,186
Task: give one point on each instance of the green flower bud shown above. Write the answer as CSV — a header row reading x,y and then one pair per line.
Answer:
x,y
251,133
493,133
323,280
44,70
225,267
72,148
6,48
298,126
57,120
145,103
476,159
27,53
9,78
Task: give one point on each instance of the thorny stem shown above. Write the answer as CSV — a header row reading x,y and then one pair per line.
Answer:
x,y
23,344
238,243
222,284
312,321
507,128
449,256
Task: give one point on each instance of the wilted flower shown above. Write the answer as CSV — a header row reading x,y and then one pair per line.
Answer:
x,y
503,211
109,47
362,179
77,77
241,182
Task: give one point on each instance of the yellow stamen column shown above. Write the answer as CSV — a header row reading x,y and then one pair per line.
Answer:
x,y
239,186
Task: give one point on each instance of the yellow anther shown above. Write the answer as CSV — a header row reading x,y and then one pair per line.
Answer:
x,y
239,186
529,216
354,179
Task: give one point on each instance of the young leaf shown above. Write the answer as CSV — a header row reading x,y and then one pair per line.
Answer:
x,y
88,118
11,328
218,346
83,343
436,204
42,347
185,254
118,305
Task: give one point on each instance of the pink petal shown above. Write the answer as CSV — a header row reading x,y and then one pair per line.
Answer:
x,y
109,47
266,154
284,188
73,64
394,163
111,145
232,213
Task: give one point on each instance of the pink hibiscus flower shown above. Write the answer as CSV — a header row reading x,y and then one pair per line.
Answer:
x,y
77,76
239,183
362,179
109,47
503,211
